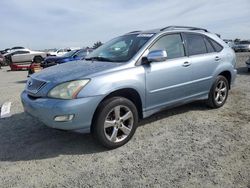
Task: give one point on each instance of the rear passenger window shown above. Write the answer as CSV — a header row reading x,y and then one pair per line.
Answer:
x,y
195,44
172,44
209,46
216,46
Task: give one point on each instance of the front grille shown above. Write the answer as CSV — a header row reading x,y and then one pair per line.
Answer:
x,y
33,85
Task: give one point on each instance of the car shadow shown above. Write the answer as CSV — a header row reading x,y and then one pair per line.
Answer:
x,y
23,138
21,82
22,70
242,71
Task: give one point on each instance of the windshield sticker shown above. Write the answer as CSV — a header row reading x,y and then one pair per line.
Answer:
x,y
145,35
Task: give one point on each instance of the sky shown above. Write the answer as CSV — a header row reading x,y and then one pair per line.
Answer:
x,y
42,24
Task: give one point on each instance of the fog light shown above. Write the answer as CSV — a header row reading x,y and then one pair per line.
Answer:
x,y
64,117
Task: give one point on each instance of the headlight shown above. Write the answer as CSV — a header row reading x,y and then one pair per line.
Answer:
x,y
68,90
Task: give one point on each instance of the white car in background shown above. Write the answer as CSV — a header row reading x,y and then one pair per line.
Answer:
x,y
62,51
22,59
28,56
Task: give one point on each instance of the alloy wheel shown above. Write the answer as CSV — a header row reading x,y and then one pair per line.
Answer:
x,y
118,123
220,92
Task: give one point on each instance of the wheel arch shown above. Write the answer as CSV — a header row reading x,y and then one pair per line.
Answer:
x,y
228,76
128,93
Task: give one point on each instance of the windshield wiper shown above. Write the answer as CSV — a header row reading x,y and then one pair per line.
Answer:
x,y
98,59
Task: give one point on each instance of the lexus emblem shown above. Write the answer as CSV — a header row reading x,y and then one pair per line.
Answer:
x,y
30,83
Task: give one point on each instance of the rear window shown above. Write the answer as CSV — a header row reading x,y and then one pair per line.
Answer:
x,y
216,46
210,48
195,44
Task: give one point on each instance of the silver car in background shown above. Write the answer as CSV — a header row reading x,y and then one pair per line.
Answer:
x,y
130,78
248,64
242,46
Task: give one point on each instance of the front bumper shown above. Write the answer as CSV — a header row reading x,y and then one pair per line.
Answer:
x,y
46,109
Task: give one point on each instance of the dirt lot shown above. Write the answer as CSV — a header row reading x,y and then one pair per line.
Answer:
x,y
189,146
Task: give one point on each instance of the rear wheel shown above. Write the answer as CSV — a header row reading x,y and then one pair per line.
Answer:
x,y
248,69
115,122
218,93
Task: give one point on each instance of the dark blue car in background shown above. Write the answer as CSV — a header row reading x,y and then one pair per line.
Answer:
x,y
70,56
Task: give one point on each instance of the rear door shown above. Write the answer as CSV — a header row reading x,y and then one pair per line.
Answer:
x,y
204,59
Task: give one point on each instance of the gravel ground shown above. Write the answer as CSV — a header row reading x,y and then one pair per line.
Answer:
x,y
188,146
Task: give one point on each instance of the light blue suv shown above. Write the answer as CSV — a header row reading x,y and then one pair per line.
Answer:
x,y
129,78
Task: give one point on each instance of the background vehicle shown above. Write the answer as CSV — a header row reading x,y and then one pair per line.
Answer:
x,y
62,51
248,64
22,59
70,56
242,46
132,77
229,42
4,51
28,57
1,60
7,56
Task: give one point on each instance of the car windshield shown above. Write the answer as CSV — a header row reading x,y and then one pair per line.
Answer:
x,y
120,49
69,54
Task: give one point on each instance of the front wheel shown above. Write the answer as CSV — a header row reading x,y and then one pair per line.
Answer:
x,y
218,93
38,59
115,122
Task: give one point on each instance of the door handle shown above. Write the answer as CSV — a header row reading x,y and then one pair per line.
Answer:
x,y
186,64
217,58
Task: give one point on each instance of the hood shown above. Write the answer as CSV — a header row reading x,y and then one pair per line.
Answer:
x,y
54,58
72,71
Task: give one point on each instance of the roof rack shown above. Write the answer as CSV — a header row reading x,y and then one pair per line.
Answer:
x,y
172,27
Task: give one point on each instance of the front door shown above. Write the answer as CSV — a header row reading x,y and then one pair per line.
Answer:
x,y
167,82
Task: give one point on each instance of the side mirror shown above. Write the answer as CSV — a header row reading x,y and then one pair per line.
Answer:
x,y
157,56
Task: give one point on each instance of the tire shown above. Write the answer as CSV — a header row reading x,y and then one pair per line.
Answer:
x,y
37,59
218,93
248,69
29,72
120,128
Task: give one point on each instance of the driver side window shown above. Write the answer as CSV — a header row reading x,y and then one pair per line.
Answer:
x,y
172,44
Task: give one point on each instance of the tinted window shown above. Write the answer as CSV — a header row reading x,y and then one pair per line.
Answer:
x,y
172,44
20,52
17,47
216,46
195,44
209,46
